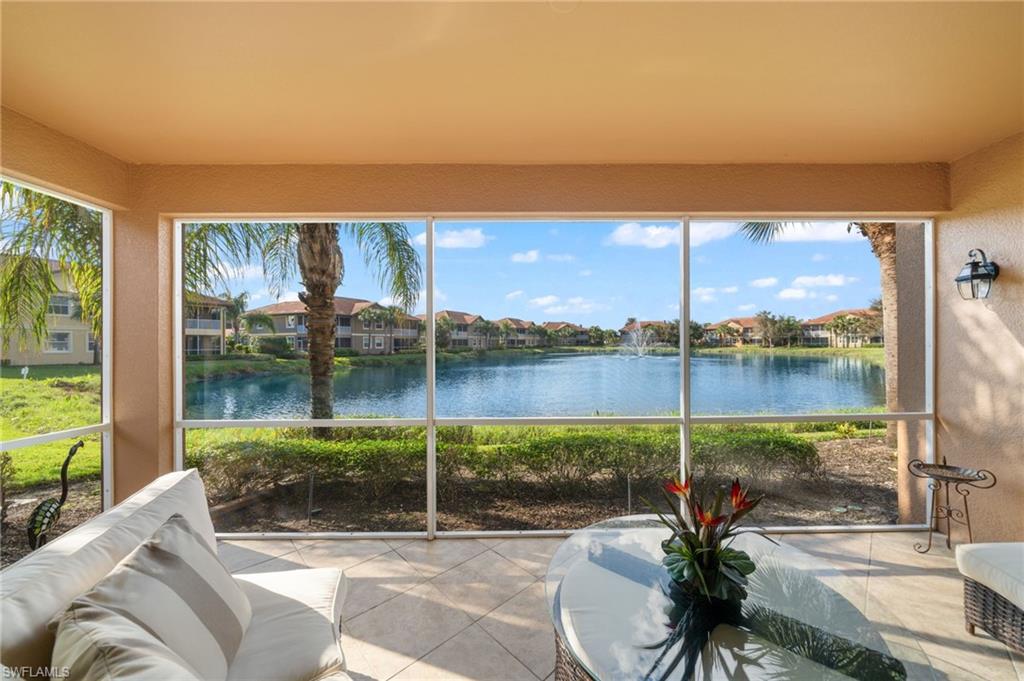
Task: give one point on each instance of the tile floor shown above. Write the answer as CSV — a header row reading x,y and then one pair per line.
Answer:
x,y
475,609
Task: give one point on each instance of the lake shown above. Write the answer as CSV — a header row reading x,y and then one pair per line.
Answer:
x,y
569,384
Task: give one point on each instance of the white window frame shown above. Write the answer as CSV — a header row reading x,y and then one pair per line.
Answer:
x,y
378,343
684,420
105,425
67,298
289,322
48,347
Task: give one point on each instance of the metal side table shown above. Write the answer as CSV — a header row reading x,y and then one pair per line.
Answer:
x,y
941,475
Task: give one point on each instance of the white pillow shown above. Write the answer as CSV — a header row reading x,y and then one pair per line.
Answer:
x,y
172,589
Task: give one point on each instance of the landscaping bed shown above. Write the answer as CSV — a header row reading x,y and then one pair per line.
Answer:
x,y
85,500
543,483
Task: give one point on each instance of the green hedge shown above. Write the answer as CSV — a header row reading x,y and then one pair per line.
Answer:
x,y
563,461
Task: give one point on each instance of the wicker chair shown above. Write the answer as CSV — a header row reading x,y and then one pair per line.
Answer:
x,y
993,575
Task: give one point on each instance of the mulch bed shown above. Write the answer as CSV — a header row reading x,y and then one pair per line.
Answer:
x,y
85,500
858,487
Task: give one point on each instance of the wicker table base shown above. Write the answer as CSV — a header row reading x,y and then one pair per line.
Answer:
x,y
566,666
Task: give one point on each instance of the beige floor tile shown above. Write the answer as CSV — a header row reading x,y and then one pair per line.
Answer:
x,y
472,655
849,552
238,555
523,626
531,554
957,667
491,542
483,583
377,580
396,633
396,543
343,553
289,561
1018,663
432,558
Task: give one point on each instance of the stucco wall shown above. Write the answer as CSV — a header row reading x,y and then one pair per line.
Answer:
x,y
35,153
980,344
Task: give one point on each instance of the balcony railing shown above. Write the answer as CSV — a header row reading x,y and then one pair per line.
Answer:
x,y
207,324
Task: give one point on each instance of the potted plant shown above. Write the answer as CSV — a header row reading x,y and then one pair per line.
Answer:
x,y
698,555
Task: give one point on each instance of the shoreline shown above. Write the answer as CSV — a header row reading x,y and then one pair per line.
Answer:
x,y
200,371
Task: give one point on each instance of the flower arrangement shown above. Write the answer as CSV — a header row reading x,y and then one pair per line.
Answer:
x,y
697,555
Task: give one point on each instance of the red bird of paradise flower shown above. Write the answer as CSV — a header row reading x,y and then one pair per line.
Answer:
x,y
738,497
680,489
705,518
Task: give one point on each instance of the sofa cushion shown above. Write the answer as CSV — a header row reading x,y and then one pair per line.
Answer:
x,y
41,585
999,566
294,633
175,588
97,644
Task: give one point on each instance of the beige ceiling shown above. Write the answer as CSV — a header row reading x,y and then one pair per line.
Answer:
x,y
546,82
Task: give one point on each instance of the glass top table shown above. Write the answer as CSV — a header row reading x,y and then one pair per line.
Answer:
x,y
614,610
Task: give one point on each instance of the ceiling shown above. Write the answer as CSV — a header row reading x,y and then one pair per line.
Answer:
x,y
544,82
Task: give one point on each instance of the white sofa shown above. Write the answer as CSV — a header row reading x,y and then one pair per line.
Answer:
x,y
994,589
295,630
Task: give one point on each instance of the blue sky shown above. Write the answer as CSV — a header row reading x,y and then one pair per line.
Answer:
x,y
601,272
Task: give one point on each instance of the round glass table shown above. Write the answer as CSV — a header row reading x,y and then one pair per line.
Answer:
x,y
617,616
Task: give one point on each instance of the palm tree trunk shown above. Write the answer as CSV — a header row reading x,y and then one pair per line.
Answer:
x,y
321,265
882,236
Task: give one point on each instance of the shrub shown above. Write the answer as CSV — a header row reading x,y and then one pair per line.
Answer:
x,y
563,460
248,357
274,345
345,352
754,453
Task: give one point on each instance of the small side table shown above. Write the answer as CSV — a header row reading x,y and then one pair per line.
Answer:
x,y
962,480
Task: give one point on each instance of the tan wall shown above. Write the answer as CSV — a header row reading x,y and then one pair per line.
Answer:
x,y
33,355
980,344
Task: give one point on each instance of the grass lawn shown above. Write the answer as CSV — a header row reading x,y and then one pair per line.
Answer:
x,y
51,398
873,354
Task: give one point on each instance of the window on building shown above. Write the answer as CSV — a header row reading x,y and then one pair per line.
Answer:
x,y
290,322
91,342
366,342
60,304
59,341
378,343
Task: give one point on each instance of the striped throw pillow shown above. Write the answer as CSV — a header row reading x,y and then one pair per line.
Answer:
x,y
174,589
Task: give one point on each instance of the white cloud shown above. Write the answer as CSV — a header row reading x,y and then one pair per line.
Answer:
x,y
730,289
232,273
831,297
766,282
288,296
704,294
527,256
818,231
421,304
544,300
471,237
512,295
746,308
704,232
586,273
793,293
819,257
561,257
823,280
576,305
652,236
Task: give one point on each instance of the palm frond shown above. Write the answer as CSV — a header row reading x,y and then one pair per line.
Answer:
x,y
389,254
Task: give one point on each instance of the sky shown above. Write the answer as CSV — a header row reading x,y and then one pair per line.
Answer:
x,y
602,272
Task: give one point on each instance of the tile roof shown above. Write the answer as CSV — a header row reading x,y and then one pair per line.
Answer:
x,y
458,317
201,299
520,324
855,312
643,324
342,306
557,326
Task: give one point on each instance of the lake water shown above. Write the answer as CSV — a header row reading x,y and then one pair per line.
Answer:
x,y
554,384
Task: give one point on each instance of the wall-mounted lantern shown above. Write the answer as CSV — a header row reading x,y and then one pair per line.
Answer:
x,y
975,279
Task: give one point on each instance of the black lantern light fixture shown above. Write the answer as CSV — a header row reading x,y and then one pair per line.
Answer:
x,y
975,279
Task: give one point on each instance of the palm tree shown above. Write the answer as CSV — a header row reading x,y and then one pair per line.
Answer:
x,y
236,306
443,327
542,333
42,236
505,330
36,229
882,237
487,328
392,315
